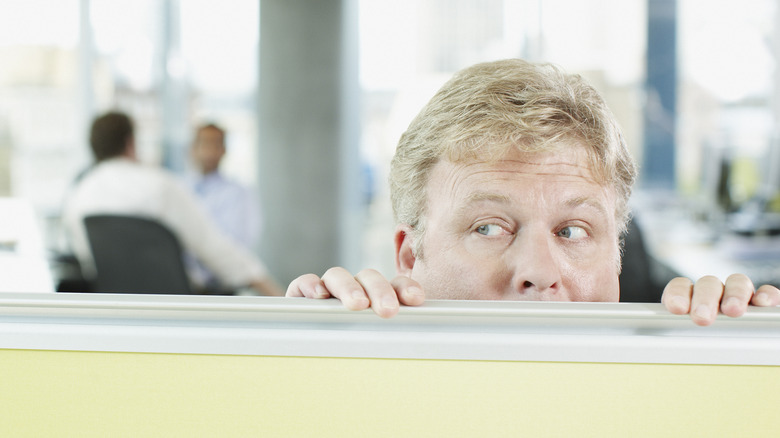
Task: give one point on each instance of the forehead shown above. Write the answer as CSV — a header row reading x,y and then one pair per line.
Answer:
x,y
559,166
551,181
209,133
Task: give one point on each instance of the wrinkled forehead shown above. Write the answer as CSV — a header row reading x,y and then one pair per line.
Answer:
x,y
529,175
571,158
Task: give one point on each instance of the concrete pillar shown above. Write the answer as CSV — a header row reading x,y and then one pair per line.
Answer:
x,y
308,143
660,114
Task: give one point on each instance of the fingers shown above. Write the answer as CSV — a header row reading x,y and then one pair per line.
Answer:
x,y
382,295
309,286
366,289
701,300
766,296
409,292
677,296
705,302
708,295
386,297
370,288
737,294
342,285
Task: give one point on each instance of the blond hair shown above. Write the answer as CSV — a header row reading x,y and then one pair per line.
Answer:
x,y
486,110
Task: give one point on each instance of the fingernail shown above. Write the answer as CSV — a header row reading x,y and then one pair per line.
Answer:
x,y
389,303
320,291
703,311
761,299
414,291
732,302
358,295
680,303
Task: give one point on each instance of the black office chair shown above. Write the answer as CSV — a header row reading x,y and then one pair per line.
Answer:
x,y
643,278
136,255
636,285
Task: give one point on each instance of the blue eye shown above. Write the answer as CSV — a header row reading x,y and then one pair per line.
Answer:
x,y
489,230
574,233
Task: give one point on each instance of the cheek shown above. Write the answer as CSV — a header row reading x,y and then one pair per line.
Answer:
x,y
601,287
438,277
452,277
593,279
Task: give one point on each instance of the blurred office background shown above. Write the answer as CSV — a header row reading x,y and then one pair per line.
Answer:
x,y
315,93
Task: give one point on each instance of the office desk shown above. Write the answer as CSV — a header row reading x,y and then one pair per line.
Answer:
x,y
721,259
23,263
694,248
140,365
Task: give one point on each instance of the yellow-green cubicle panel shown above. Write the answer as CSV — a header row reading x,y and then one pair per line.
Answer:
x,y
135,365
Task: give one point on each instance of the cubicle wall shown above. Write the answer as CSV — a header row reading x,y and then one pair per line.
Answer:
x,y
135,365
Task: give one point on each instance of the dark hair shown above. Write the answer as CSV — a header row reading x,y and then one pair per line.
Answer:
x,y
109,134
210,125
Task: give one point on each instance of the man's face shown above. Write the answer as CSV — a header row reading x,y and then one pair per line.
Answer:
x,y
532,226
208,150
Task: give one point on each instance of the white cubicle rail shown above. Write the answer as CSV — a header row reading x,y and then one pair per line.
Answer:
x,y
463,330
151,365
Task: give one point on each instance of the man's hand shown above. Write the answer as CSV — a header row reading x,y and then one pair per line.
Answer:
x,y
708,295
366,289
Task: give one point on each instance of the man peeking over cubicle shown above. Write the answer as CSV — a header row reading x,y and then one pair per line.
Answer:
x,y
119,184
512,184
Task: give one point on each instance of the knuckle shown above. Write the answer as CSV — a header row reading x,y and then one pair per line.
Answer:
x,y
678,286
293,290
739,285
307,278
680,282
369,272
373,280
738,278
334,271
709,279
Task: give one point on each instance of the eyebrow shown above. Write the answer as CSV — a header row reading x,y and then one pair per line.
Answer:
x,y
488,196
477,197
585,201
573,203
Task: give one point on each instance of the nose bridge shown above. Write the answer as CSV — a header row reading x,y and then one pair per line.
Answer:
x,y
534,262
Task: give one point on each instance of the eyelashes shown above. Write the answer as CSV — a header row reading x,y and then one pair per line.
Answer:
x,y
569,232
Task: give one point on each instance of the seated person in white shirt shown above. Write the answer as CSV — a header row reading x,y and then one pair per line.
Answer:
x,y
231,205
512,184
119,184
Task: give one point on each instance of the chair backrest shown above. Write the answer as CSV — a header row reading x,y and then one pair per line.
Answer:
x,y
636,281
136,255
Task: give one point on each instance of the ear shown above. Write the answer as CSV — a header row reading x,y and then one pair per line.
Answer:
x,y
130,150
404,255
